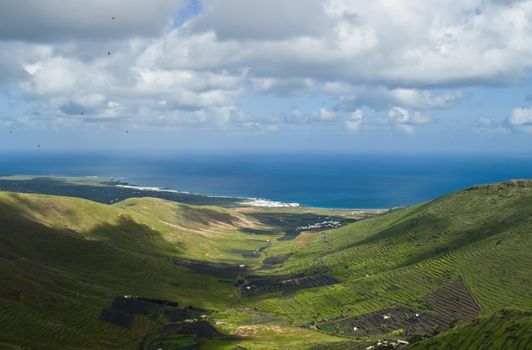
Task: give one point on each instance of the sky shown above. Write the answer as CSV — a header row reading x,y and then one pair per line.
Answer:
x,y
395,76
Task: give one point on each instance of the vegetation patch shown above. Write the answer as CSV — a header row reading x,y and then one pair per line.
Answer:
x,y
453,302
449,305
124,308
258,231
221,270
260,285
117,317
246,253
179,328
506,329
276,260
408,322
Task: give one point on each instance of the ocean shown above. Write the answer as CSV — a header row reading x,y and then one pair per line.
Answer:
x,y
319,180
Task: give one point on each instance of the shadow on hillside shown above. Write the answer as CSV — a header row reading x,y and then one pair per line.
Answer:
x,y
54,272
21,235
135,236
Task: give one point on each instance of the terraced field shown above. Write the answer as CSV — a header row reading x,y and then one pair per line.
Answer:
x,y
451,273
503,330
448,305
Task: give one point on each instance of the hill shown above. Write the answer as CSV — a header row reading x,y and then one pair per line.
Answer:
x,y
104,190
454,271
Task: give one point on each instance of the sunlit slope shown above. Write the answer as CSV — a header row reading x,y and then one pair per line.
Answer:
x,y
198,232
482,235
179,230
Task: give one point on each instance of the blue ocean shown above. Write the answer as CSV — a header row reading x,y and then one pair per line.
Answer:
x,y
323,180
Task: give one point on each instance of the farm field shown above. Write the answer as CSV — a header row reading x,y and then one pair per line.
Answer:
x,y
80,270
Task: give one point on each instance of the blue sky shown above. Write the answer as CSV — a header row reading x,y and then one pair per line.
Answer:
x,y
249,75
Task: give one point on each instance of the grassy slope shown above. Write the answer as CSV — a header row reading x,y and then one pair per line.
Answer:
x,y
482,234
63,259
506,329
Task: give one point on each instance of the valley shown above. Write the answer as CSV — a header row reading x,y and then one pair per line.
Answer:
x,y
206,273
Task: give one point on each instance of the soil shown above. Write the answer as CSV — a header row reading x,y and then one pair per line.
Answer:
x,y
116,317
276,260
220,270
449,304
261,285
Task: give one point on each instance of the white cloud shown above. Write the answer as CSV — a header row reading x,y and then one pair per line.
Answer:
x,y
375,41
355,120
486,125
380,97
299,116
485,122
521,119
404,119
325,114
128,85
397,55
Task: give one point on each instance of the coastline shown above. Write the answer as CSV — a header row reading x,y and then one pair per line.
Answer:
x,y
252,202
245,201
39,183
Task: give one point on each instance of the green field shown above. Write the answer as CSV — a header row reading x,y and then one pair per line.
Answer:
x,y
453,273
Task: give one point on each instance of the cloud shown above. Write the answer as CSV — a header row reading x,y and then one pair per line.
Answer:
x,y
372,42
404,119
521,120
355,120
298,116
52,20
325,114
282,87
379,97
486,125
128,85
261,20
195,71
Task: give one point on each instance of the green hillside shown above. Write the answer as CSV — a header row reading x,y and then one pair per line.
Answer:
x,y
453,273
